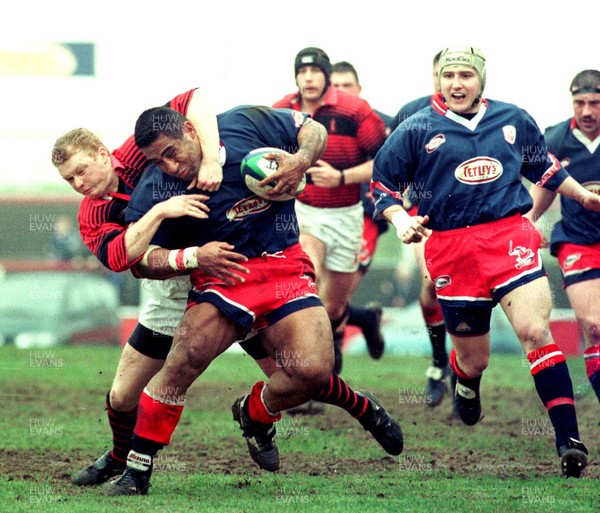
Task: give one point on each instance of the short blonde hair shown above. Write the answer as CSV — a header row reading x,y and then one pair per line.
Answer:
x,y
78,139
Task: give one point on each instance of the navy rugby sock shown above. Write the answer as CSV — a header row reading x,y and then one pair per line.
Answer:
x,y
338,393
553,384
121,424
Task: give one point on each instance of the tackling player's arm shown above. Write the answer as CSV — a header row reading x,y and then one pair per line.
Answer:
x,y
119,247
202,116
214,258
139,235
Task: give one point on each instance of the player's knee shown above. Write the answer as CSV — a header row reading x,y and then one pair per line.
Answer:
x,y
123,398
533,335
313,374
474,364
591,327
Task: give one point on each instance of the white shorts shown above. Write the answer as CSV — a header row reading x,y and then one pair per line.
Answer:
x,y
340,229
162,303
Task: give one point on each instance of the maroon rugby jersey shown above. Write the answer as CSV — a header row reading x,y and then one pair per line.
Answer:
x,y
101,221
355,133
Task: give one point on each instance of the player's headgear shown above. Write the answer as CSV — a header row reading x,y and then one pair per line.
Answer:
x,y
464,56
313,57
587,81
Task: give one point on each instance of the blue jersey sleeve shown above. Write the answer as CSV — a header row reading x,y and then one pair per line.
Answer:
x,y
391,174
538,165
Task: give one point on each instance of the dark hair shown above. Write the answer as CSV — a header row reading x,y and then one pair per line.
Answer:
x,y
345,67
436,57
586,81
158,121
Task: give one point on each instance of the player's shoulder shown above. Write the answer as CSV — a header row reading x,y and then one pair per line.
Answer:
x,y
502,106
92,212
558,128
517,114
415,105
345,99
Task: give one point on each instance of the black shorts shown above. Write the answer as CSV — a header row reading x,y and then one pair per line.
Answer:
x,y
156,345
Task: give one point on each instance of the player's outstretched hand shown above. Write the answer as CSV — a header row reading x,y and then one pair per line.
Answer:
x,y
417,231
219,260
209,177
410,228
184,205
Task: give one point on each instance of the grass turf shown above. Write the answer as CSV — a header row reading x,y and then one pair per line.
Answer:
x,y
53,423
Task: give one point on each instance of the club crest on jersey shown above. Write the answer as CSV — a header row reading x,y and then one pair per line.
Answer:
x,y
478,170
593,186
247,207
510,134
524,256
571,259
442,281
435,143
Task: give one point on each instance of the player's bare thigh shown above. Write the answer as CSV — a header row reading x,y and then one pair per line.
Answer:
x,y
202,335
304,335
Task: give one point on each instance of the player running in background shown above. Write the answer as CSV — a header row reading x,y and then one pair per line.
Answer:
x,y
219,313
575,238
329,210
470,153
344,77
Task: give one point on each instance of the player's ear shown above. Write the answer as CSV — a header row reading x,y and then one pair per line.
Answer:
x,y
103,152
189,128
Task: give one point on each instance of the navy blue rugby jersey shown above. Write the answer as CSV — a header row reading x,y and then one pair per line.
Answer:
x,y
252,224
464,172
577,225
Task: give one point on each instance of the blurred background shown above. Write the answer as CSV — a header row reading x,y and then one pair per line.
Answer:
x,y
62,67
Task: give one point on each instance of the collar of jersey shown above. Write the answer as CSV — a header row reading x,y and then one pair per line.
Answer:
x,y
591,146
440,106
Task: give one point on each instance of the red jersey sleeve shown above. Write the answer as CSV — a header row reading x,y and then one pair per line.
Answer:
x,y
182,101
102,234
132,158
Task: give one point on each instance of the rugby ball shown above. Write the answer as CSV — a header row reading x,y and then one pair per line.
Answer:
x,y
255,167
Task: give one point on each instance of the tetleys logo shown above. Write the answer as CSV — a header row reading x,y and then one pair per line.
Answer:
x,y
478,170
247,207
